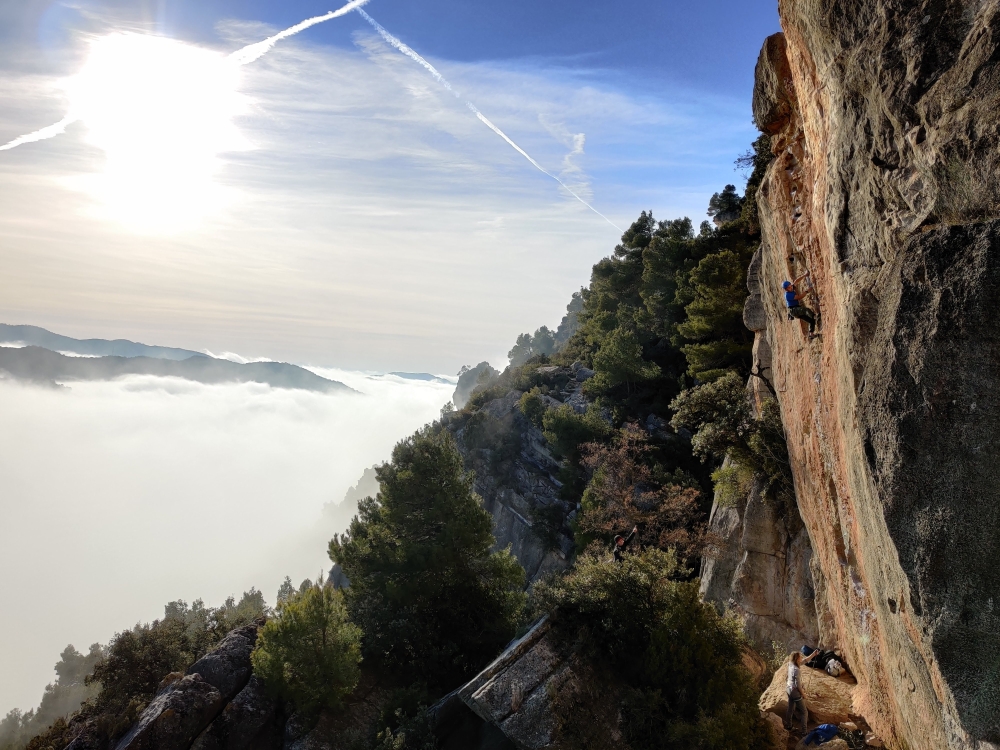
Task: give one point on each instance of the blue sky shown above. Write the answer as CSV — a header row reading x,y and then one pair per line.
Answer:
x,y
371,221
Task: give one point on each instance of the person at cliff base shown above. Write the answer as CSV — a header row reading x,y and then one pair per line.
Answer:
x,y
793,300
621,542
795,701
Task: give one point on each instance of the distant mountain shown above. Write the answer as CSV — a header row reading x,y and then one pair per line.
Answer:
x,y
38,365
425,376
35,336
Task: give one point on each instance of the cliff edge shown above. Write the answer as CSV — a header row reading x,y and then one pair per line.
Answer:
x,y
885,189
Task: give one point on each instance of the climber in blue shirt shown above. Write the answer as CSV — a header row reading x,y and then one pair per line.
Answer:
x,y
796,309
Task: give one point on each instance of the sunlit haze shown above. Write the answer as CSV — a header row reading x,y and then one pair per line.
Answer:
x,y
161,111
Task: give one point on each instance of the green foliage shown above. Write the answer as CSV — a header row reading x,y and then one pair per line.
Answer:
x,y
732,483
309,653
570,323
533,407
434,603
671,660
471,378
715,317
725,206
567,432
410,733
618,362
404,724
757,158
724,424
527,346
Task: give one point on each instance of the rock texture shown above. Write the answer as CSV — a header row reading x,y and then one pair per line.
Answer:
x,y
533,685
215,706
760,569
248,721
884,125
830,700
526,493
227,667
761,566
183,707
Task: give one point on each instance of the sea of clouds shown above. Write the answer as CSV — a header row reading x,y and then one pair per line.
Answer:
x,y
120,496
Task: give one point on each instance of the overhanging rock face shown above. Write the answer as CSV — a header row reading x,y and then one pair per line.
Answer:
x,y
885,186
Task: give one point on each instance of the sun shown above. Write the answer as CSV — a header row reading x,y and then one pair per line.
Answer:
x,y
162,112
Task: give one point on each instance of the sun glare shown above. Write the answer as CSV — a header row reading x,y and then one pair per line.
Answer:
x,y
162,111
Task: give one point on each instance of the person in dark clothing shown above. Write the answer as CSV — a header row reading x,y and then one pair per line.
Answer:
x,y
621,542
793,300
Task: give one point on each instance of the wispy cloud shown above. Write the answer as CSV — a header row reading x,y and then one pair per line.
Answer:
x,y
356,238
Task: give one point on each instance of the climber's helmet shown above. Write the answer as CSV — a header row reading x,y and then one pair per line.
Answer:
x,y
619,540
787,285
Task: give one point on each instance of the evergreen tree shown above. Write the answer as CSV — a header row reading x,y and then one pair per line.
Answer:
x,y
725,206
309,653
434,602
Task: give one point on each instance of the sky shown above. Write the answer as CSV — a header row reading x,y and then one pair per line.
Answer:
x,y
349,211
330,204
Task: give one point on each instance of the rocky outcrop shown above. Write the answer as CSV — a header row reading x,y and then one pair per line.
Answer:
x,y
217,705
884,125
227,667
830,700
528,514
182,708
534,687
759,565
248,721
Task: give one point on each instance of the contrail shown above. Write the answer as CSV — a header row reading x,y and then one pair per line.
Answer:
x,y
241,57
40,135
408,51
258,49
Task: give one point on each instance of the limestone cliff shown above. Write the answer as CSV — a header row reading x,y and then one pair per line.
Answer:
x,y
884,125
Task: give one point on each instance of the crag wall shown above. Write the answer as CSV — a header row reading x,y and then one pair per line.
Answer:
x,y
884,117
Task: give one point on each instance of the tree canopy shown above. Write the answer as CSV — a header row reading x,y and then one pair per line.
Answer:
x,y
434,602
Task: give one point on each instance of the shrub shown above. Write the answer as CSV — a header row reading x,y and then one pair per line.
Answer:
x,y
434,602
619,362
675,662
624,491
724,425
533,407
309,653
566,431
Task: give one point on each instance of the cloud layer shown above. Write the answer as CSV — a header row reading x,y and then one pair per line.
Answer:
x,y
121,496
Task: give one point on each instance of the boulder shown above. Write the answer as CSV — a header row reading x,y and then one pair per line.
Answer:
x,y
227,667
182,708
830,700
247,716
779,734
